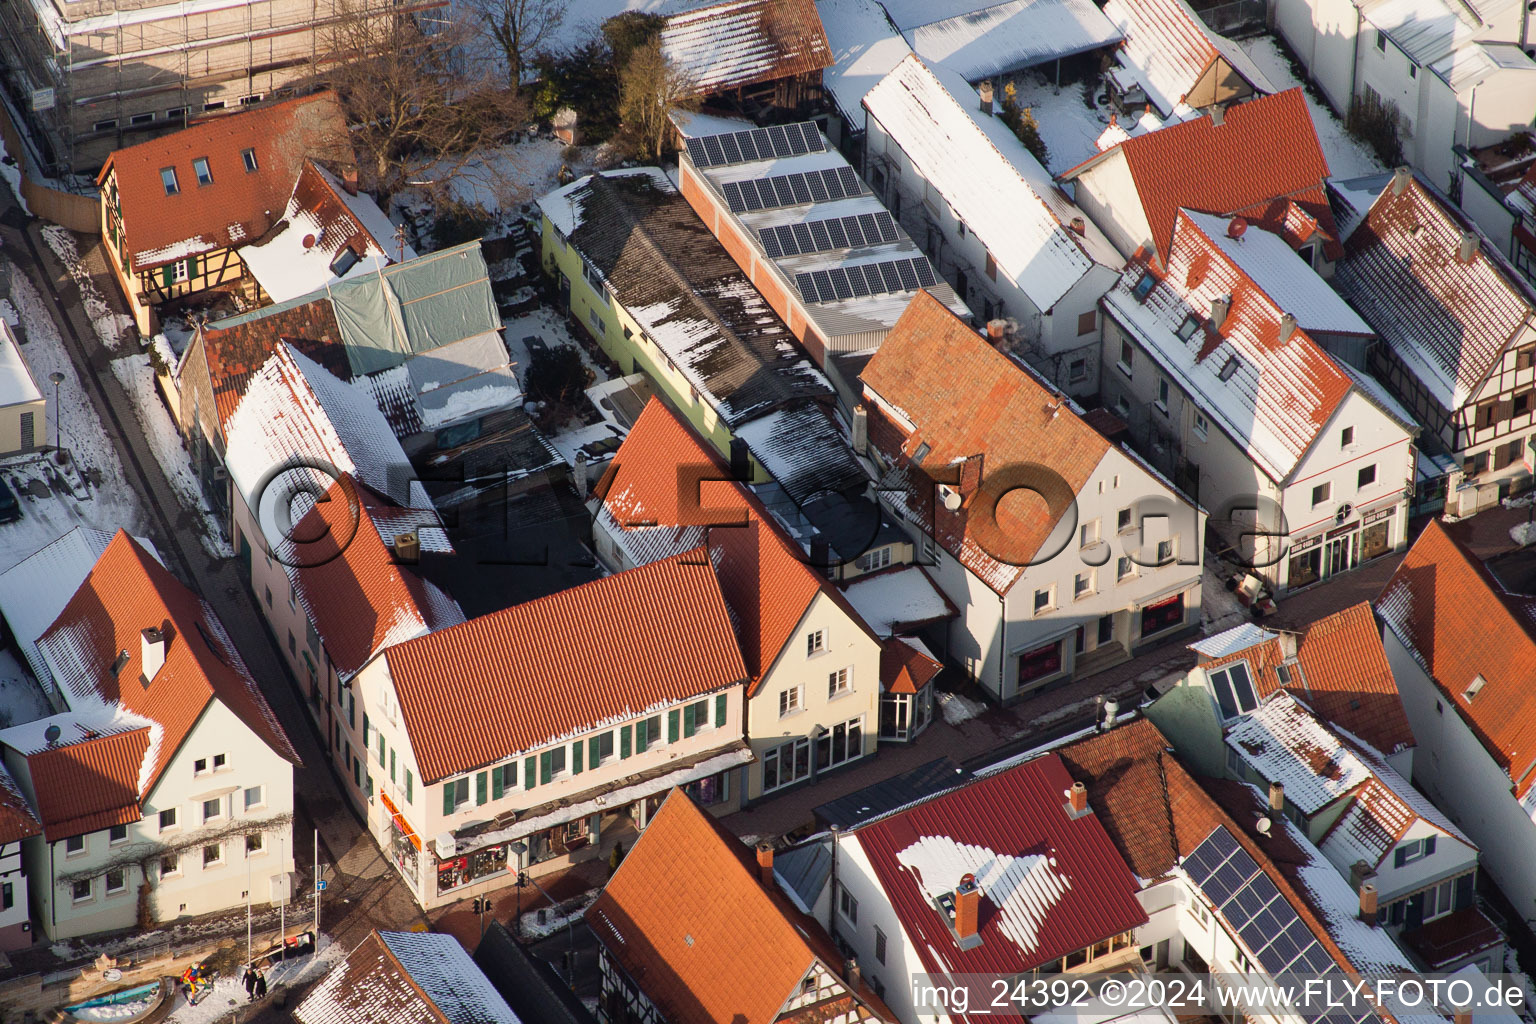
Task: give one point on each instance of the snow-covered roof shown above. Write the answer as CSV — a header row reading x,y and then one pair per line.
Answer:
x,y
1377,819
444,972
1440,35
16,382
743,42
35,590
321,220
804,451
896,600
1283,275
1168,49
1282,741
405,976
1001,38
865,47
1230,641
447,385
992,183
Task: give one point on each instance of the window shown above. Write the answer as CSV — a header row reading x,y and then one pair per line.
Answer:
x,y
248,157
1187,328
1229,369
254,797
1122,520
1039,663
167,818
1416,849
1144,286
789,701
200,168
1473,688
213,854
117,834
815,642
410,786
877,558
1127,357
1381,41
1202,428
176,113
1164,552
1346,437
81,890
117,881
293,645
1307,253
1413,70
552,764
1124,567
598,327
594,280
213,809
255,842
1520,404
921,453
1366,476
1088,534
1525,358
137,119
838,682
991,267
647,733
455,794
1162,395
1164,615
1044,600
345,260
1082,585
880,945
168,179
1485,415
7,896
181,270
74,845
847,905
104,126
1321,493
214,105
786,764
1087,322
842,743
1077,370
1234,690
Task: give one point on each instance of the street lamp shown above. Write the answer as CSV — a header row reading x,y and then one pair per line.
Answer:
x,y
519,848
57,378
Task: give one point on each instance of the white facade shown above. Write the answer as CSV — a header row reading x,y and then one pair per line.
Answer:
x,y
15,908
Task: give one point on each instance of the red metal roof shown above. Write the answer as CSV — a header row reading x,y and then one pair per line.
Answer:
x,y
235,354
238,205
520,678
1052,884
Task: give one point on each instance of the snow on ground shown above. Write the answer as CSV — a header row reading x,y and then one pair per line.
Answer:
x,y
1068,125
110,327
555,332
569,912
957,709
585,18
1346,157
1523,533
10,173
21,699
138,379
500,180
229,997
105,506
1219,607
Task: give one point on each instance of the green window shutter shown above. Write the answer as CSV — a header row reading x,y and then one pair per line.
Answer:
x,y
642,735
497,788
479,789
381,749
688,720
410,786
168,274
391,766
623,742
546,771
594,752
672,717
576,750
367,729
191,267
529,766
447,798
720,710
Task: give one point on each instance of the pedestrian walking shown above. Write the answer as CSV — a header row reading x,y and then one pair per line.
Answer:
x,y
250,983
261,986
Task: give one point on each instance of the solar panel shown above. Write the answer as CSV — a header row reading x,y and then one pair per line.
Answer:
x,y
1253,935
807,286
1226,879
892,277
770,240
856,280
733,197
785,189
908,275
1218,846
696,152
820,235
850,181
803,240
887,225
731,149
1280,952
812,136
779,139
818,187
775,142
925,275
824,285
835,233
870,227
801,189
840,283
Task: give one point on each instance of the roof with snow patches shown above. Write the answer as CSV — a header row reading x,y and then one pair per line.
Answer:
x,y
420,977
741,43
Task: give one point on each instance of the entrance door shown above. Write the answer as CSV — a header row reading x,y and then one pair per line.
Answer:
x,y
1338,554
565,294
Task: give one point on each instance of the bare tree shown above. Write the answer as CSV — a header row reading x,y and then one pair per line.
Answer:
x,y
650,88
412,111
519,29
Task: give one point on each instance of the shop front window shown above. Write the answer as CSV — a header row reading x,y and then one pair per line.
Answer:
x,y
842,743
716,789
1306,567
1374,540
786,764
1039,663
459,871
1163,615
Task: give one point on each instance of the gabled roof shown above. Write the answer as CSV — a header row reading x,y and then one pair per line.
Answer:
x,y
1462,626
1282,741
1170,49
906,666
416,977
531,674
1271,395
987,39
299,253
236,350
647,497
685,291
966,402
1263,158
120,731
1380,815
239,205
740,43
1448,321
1051,883
711,943
977,165
866,45
17,820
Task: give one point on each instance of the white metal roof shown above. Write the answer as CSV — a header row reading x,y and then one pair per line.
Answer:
x,y
1230,641
1013,35
16,383
865,47
1282,741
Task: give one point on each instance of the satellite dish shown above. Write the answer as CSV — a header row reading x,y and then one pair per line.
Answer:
x,y
951,499
52,734
1264,825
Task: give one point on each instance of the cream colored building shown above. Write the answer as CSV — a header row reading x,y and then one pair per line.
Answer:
x,y
23,411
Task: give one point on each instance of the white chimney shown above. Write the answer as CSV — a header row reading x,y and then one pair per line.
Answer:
x,y
581,475
985,89
152,652
1287,327
1468,248
860,430
1220,306
1400,179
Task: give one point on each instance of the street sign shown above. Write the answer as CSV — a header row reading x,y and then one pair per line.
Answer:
x,y
42,99
320,885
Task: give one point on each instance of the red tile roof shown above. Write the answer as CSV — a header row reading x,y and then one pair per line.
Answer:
x,y
904,668
711,944
1461,624
1263,158
530,674
967,402
740,43
127,592
17,821
1051,884
763,573
239,205
235,354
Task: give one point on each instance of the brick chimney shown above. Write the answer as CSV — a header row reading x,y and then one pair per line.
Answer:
x,y
1079,226
997,333
349,179
1220,306
1400,179
967,910
1463,1015
1077,800
851,973
1368,903
151,652
765,864
1277,797
985,89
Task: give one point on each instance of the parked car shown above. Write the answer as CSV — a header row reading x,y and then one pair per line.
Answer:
x,y
10,508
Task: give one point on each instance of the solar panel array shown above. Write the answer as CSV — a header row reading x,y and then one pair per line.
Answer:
x,y
849,232
792,189
866,279
1257,911
756,144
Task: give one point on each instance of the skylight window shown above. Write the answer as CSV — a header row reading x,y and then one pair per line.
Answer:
x,y
200,167
1229,369
1234,690
168,179
1187,328
248,156
1143,286
344,261
1473,687
921,453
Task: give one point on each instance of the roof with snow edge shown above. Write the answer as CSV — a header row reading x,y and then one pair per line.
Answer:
x,y
741,43
1051,883
898,599
127,731
1263,163
906,665
1380,815
804,451
1435,34
238,205
17,385
525,674
1006,37
1448,321
1230,641
321,213
17,819
865,47
978,166
1282,741
702,311
1170,49
965,402
420,977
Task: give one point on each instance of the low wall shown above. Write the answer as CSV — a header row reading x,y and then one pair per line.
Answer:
x,y
76,212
